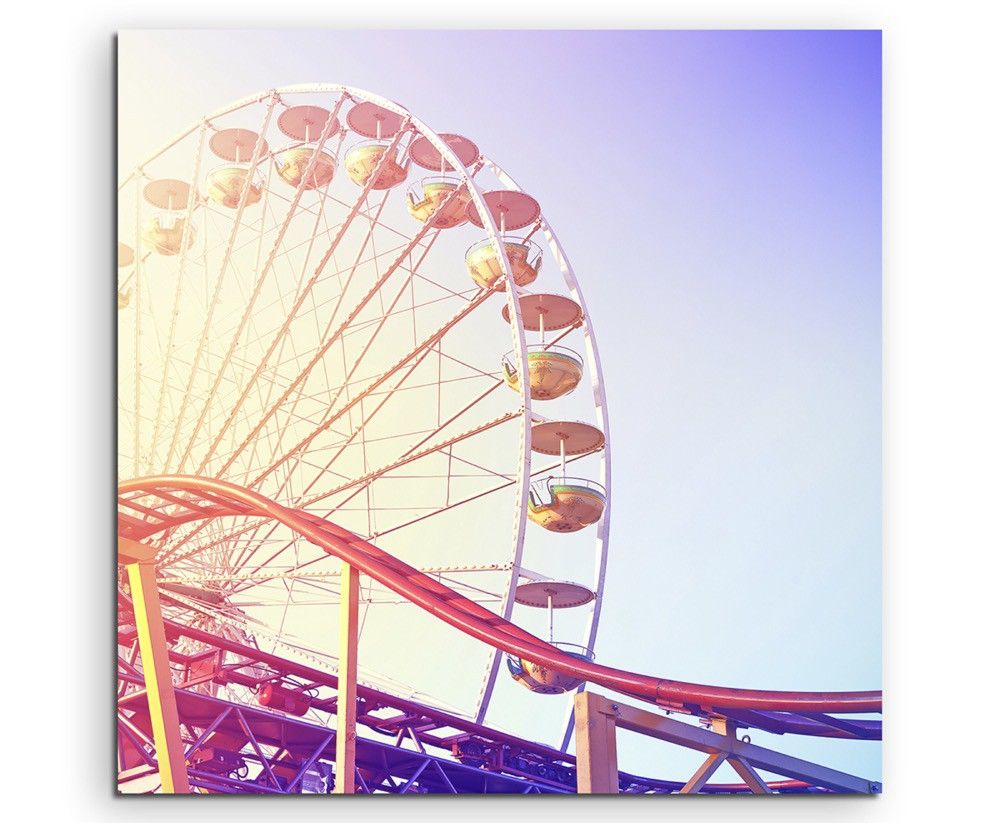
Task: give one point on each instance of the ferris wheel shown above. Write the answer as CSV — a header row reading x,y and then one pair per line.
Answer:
x,y
322,299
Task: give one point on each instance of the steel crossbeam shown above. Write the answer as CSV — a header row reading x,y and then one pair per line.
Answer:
x,y
598,718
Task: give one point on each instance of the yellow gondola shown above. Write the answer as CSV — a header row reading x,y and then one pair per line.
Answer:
x,y
225,185
362,161
292,164
544,680
164,234
427,202
484,267
566,504
552,372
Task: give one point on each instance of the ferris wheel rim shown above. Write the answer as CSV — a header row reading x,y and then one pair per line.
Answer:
x,y
512,310
598,384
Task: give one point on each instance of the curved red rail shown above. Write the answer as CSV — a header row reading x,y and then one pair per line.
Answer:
x,y
227,499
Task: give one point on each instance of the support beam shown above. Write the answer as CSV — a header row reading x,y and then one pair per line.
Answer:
x,y
597,719
757,757
749,776
138,560
347,681
596,750
704,772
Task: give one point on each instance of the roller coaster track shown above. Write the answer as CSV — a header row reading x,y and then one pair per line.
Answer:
x,y
151,506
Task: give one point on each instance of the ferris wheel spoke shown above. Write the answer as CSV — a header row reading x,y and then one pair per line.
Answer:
x,y
412,452
246,322
271,385
461,295
247,234
400,387
326,468
389,229
173,554
290,413
366,482
408,456
265,270
357,328
185,234
401,256
214,301
487,471
425,345
288,390
478,496
330,340
270,95
330,199
303,293
268,229
360,428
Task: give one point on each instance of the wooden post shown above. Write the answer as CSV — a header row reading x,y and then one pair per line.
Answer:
x,y
596,751
347,681
139,563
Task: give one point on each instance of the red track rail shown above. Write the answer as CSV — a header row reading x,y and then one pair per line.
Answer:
x,y
210,498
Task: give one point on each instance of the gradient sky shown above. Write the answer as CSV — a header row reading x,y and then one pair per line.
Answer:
x,y
719,194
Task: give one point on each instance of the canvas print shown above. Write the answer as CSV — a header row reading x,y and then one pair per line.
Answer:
x,y
499,412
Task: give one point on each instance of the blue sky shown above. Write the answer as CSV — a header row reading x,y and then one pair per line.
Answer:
x,y
720,196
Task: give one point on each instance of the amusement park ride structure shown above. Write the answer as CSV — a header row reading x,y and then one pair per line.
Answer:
x,y
301,368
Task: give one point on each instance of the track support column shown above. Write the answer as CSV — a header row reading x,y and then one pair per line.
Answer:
x,y
138,559
596,750
347,681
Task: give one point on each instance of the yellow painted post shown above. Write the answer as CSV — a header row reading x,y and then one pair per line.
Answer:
x,y
139,563
596,749
347,681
